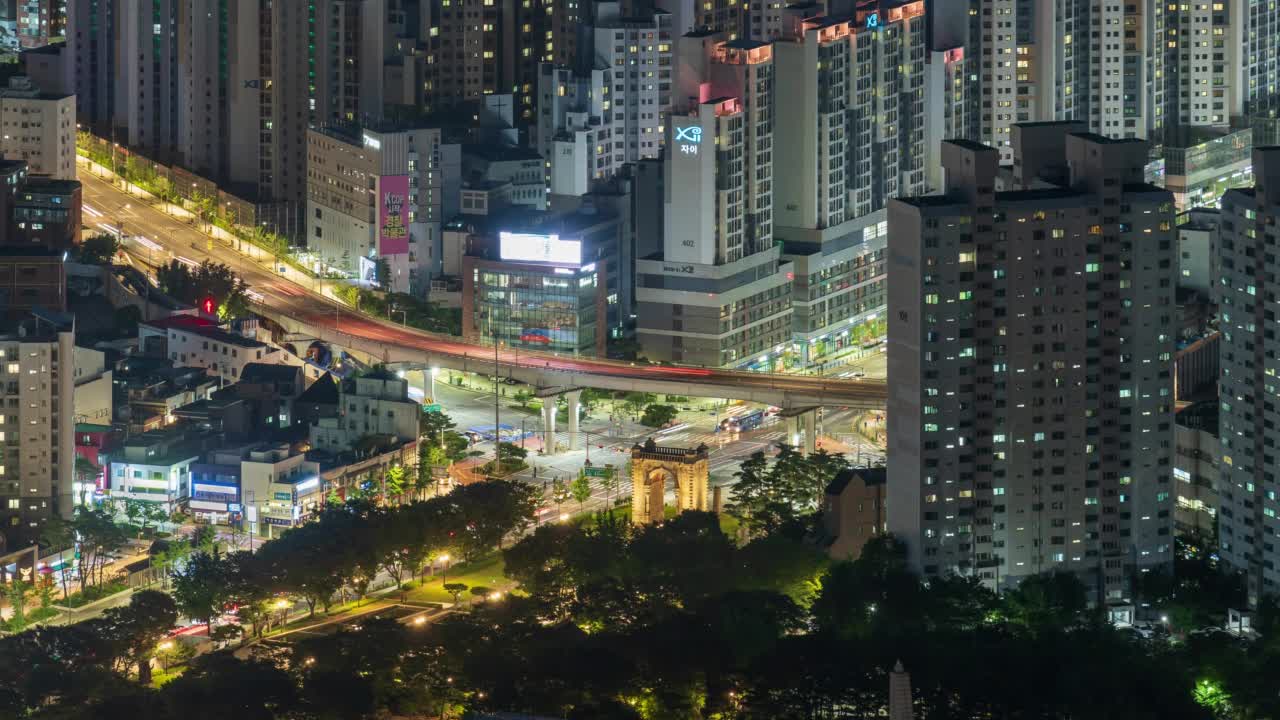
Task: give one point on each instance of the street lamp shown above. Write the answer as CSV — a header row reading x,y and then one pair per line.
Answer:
x,y
444,571
434,372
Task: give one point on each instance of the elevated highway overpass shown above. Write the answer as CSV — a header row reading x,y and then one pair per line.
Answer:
x,y
299,304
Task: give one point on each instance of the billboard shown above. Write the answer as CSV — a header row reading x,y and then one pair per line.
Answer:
x,y
529,247
393,215
539,336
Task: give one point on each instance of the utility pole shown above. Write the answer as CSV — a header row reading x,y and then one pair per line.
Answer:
x,y
497,430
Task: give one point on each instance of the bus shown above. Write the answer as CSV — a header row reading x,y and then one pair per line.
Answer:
x,y
742,423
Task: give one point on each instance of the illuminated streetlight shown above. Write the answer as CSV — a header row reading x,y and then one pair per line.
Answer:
x,y
495,596
166,645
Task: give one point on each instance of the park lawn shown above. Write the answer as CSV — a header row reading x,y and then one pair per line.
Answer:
x,y
486,571
159,677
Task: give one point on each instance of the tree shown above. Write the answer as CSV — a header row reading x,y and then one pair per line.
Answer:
x,y
57,534
580,488
140,626
455,589
17,591
208,280
87,474
560,493
99,535
432,426
382,271
98,249
634,402
200,588
511,457
480,592
522,397
492,510
393,482
134,510
658,415
126,320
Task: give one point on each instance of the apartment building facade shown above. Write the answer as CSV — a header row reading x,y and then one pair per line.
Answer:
x,y
1030,355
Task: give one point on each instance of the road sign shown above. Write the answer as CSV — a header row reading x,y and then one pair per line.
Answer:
x,y
432,408
600,472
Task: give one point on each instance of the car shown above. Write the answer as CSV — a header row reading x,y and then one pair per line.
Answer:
x,y
858,374
511,381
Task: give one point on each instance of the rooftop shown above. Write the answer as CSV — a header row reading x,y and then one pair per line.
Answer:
x,y
869,477
203,327
501,153
269,373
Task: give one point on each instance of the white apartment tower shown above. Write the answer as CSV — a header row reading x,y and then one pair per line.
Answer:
x,y
715,294
812,68
37,429
1031,336
1246,294
39,128
591,121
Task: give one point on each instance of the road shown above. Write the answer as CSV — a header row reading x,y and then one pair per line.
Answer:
x,y
303,299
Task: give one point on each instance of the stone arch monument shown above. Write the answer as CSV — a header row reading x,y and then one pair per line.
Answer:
x,y
653,468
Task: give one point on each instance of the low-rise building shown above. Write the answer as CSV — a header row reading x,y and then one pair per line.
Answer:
x,y
94,383
154,467
94,444
31,278
47,213
375,404
279,488
853,511
194,341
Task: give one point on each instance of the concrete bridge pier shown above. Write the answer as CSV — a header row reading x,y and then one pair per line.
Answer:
x,y
801,428
549,425
575,410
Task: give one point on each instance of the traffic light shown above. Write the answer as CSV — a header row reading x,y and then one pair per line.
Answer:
x,y
209,306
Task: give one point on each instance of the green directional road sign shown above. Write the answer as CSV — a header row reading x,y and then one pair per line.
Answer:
x,y
433,407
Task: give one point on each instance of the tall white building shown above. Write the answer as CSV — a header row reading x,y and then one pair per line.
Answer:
x,y
712,295
595,119
39,128
1031,334
37,429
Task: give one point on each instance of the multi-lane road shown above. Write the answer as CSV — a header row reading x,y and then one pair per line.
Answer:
x,y
293,295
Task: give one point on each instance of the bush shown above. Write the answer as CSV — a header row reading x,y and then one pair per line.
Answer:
x,y
93,594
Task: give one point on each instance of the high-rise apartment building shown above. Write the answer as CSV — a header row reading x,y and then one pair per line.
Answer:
x,y
593,119
146,81
91,44
37,435
39,128
1042,60
1246,295
1031,336
726,16
718,292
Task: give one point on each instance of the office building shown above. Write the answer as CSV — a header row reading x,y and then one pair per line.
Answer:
x,y
1031,335
1247,522
723,16
381,192
37,435
550,283
39,128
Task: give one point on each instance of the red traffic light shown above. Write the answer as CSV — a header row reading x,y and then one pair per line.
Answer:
x,y
208,306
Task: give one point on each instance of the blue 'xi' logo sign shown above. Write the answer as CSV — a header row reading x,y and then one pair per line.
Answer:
x,y
691,134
